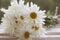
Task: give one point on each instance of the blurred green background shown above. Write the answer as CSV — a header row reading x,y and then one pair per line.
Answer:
x,y
44,5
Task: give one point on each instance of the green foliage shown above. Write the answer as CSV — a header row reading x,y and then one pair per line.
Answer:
x,y
49,14
1,15
49,20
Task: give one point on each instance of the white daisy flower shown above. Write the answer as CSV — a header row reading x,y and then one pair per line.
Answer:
x,y
23,33
34,14
13,17
37,30
11,22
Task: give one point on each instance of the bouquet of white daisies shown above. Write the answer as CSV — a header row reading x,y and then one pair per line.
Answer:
x,y
24,21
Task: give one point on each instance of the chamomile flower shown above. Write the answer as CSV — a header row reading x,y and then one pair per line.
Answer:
x,y
34,14
11,22
24,33
37,30
13,17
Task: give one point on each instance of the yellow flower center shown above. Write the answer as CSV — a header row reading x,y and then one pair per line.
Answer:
x,y
26,35
22,17
16,21
33,15
35,28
